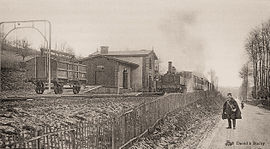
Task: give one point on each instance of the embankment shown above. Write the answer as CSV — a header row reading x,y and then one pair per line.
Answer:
x,y
184,127
13,82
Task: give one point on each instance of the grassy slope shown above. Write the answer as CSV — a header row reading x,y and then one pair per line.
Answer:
x,y
9,58
12,72
184,128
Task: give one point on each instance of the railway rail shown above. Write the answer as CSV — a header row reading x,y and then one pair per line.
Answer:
x,y
50,96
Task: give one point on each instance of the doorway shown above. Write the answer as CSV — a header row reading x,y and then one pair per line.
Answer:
x,y
125,79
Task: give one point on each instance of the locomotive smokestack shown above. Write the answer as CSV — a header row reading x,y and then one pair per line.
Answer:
x,y
170,67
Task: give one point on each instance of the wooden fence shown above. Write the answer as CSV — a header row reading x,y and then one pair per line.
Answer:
x,y
138,121
117,133
83,135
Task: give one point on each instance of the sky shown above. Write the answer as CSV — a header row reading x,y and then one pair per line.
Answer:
x,y
197,35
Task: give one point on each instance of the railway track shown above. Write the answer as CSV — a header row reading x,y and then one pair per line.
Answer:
x,y
52,96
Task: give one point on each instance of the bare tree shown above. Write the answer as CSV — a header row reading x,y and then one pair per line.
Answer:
x,y
70,50
244,73
212,74
64,47
257,47
64,51
23,48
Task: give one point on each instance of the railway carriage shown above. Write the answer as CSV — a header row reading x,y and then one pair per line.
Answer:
x,y
63,72
194,81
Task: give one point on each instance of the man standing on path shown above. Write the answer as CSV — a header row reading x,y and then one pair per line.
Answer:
x,y
231,111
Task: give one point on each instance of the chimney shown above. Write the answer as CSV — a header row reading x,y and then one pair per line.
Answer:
x,y
104,49
173,70
169,67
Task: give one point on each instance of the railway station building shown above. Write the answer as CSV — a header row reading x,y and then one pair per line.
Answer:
x,y
134,70
108,72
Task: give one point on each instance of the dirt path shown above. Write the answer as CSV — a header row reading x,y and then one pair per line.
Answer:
x,y
252,132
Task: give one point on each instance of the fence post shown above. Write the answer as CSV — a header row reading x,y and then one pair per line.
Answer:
x,y
185,100
113,135
3,140
73,139
135,122
144,118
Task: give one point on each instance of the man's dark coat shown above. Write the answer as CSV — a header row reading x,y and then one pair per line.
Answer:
x,y
228,113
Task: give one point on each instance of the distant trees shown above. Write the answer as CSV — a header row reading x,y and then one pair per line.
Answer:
x,y
64,47
213,78
61,51
257,47
21,47
244,73
65,50
61,47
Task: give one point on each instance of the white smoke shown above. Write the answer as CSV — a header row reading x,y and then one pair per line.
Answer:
x,y
186,50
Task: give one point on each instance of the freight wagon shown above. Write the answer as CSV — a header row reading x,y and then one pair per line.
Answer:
x,y
63,72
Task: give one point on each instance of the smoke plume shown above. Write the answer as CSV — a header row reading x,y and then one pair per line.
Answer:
x,y
186,49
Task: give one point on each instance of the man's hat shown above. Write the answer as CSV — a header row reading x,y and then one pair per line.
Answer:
x,y
229,94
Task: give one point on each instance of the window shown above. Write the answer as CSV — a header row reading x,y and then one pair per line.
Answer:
x,y
125,79
100,67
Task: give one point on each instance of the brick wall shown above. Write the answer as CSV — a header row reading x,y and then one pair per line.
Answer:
x,y
97,76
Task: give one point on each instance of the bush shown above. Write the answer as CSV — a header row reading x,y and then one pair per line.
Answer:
x,y
14,79
263,93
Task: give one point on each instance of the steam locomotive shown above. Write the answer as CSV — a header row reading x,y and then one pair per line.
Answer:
x,y
184,81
